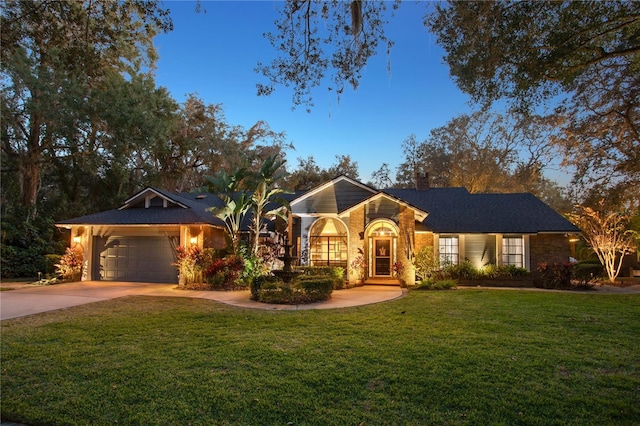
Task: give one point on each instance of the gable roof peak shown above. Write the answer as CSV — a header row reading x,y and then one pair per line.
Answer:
x,y
149,193
333,182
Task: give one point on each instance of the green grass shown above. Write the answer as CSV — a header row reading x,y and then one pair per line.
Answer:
x,y
459,357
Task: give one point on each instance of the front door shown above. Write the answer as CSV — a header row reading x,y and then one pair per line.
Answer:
x,y
382,257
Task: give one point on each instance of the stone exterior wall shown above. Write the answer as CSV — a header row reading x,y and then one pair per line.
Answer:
x,y
547,248
407,227
356,230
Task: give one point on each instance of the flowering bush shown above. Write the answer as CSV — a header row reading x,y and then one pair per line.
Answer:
x,y
70,265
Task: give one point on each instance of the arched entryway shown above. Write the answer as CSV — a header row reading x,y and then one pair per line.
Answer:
x,y
382,236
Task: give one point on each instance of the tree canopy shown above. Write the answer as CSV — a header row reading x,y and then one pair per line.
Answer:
x,y
484,152
584,55
314,38
581,58
57,57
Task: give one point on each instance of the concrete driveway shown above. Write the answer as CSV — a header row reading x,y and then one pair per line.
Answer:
x,y
34,299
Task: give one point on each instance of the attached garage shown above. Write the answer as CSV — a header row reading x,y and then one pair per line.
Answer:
x,y
135,259
137,242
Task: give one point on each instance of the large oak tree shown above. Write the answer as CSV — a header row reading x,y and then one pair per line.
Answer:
x,y
55,55
584,54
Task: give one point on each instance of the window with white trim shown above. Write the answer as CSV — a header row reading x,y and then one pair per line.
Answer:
x,y
448,250
513,251
328,243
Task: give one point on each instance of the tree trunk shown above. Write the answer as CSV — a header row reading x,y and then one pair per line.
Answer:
x,y
30,168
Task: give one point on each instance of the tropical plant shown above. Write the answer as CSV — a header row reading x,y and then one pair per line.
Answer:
x,y
237,202
191,263
556,275
71,263
398,268
426,262
224,272
263,185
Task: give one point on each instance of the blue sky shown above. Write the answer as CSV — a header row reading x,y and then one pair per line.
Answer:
x,y
214,55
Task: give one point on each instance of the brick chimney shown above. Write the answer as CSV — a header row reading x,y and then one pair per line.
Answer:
x,y
422,181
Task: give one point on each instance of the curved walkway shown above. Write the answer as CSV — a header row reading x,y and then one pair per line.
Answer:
x,y
29,299
33,299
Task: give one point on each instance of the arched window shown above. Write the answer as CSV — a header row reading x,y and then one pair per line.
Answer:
x,y
328,243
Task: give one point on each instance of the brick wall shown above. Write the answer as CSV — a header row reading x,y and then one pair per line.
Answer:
x,y
356,229
423,240
407,227
548,248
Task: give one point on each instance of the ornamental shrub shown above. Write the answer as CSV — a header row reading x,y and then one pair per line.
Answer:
x,y
315,288
263,282
462,271
426,263
436,285
224,273
20,262
466,271
305,289
555,275
336,273
50,261
587,274
70,265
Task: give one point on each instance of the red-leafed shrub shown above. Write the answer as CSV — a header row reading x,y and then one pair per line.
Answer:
x,y
225,272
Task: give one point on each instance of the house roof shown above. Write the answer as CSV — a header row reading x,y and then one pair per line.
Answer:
x,y
153,206
439,210
455,210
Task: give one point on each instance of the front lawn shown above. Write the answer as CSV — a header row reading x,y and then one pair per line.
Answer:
x,y
459,357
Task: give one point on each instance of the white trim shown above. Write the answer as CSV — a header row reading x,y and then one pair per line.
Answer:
x,y
308,236
145,192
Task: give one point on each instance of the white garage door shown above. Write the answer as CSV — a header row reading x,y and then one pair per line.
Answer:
x,y
137,259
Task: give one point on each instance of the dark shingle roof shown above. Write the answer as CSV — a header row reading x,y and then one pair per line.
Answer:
x,y
450,210
454,210
194,213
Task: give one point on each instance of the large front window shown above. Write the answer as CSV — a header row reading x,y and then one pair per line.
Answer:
x,y
449,250
328,243
512,251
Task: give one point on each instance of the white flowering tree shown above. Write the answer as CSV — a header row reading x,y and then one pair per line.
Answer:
x,y
608,234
